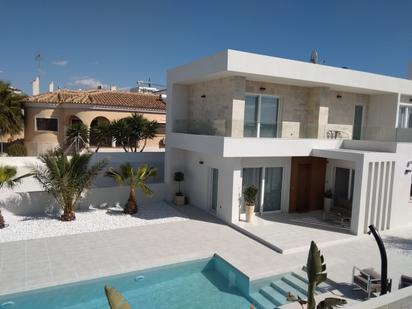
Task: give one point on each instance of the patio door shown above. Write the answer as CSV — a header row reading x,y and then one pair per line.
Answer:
x,y
272,198
269,183
343,188
261,116
253,177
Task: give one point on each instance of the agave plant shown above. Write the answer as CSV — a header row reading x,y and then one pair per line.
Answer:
x,y
316,271
9,180
134,178
66,178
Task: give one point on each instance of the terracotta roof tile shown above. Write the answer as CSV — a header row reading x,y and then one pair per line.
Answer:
x,y
101,97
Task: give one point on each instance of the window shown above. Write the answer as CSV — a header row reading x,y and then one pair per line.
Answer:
x,y
405,117
162,128
261,116
46,124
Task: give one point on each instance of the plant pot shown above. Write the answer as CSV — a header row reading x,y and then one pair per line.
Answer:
x,y
179,200
327,204
250,212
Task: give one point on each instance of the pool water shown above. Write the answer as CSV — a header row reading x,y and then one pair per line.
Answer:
x,y
209,283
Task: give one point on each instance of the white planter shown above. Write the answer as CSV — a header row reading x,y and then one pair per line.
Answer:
x,y
179,200
250,212
327,204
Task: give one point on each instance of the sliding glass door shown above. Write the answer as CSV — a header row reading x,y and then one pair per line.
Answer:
x,y
261,116
273,189
268,180
253,177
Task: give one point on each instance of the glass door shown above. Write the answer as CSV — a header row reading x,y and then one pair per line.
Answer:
x,y
261,116
272,198
251,116
215,186
253,177
357,122
268,116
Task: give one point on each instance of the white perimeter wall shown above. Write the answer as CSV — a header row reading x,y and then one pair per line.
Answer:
x,y
29,198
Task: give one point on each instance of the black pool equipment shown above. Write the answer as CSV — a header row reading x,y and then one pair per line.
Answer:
x,y
386,284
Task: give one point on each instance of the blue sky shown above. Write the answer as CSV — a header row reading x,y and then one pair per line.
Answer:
x,y
84,43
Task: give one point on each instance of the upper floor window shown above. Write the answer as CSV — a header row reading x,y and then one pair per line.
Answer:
x,y
405,116
261,116
47,124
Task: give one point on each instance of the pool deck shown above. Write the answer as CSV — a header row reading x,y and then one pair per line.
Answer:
x,y
290,233
31,264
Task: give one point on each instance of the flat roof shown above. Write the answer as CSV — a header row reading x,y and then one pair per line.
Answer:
x,y
285,71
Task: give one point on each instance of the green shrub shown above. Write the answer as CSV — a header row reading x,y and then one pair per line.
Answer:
x,y
16,150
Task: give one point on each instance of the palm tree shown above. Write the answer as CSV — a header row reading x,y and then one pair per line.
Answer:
x,y
9,180
101,134
11,110
77,136
134,178
121,133
149,131
136,124
67,179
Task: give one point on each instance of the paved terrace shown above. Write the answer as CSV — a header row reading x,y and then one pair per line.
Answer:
x,y
56,260
292,232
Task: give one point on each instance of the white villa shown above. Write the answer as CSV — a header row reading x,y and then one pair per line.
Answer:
x,y
295,130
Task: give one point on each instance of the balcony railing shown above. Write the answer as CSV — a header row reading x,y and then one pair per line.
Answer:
x,y
237,128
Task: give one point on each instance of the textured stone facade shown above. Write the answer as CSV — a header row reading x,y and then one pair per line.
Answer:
x,y
217,107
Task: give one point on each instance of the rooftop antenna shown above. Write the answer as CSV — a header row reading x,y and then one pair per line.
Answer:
x,y
314,56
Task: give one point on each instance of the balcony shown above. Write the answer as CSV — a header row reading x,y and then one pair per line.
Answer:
x,y
291,130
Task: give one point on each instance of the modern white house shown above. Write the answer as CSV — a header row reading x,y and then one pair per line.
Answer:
x,y
295,130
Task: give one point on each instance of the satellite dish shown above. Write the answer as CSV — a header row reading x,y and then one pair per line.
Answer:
x,y
314,56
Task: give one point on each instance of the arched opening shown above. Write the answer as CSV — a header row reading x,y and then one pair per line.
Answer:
x,y
74,120
99,137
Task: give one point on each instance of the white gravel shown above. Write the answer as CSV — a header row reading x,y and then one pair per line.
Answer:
x,y
92,220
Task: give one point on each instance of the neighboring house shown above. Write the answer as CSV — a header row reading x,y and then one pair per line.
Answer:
x,y
294,130
48,115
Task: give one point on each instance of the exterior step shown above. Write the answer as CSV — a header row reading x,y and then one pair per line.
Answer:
x,y
273,295
321,288
261,302
295,282
285,288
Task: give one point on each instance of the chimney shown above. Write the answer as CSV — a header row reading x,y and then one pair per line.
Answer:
x,y
36,86
410,70
113,88
51,86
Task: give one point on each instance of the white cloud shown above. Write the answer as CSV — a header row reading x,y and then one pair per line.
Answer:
x,y
60,63
86,82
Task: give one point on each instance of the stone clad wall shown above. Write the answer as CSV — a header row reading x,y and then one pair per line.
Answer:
x,y
304,112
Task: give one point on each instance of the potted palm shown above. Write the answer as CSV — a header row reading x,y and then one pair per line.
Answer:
x,y
250,200
134,178
179,196
327,200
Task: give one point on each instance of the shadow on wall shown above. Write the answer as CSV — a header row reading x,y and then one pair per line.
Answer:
x,y
40,202
28,203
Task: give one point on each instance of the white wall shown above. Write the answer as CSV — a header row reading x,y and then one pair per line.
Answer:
x,y
40,202
381,120
29,198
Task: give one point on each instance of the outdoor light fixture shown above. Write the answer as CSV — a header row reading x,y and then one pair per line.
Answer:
x,y
203,96
201,162
410,99
408,170
262,88
339,96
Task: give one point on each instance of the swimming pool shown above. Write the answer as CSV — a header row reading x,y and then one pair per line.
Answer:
x,y
208,283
